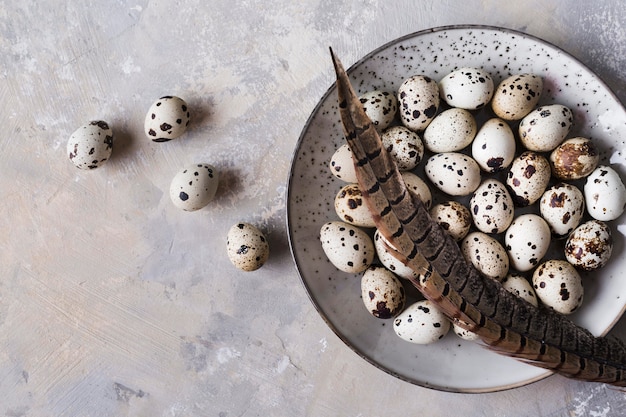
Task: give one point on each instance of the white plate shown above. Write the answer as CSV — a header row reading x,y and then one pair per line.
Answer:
x,y
451,364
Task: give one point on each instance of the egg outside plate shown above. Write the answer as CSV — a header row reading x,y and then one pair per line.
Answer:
x,y
451,364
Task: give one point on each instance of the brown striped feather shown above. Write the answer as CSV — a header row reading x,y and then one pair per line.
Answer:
x,y
505,323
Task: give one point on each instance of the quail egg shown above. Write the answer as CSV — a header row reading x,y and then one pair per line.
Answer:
x,y
418,101
575,158
421,323
467,88
248,249
589,246
527,240
453,173
404,146
193,187
486,254
605,194
167,119
516,96
528,178
90,145
382,293
380,106
558,286
347,247
562,206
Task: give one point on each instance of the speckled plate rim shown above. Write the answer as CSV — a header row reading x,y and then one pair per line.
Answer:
x,y
331,90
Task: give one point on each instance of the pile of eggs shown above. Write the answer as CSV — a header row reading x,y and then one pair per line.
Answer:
x,y
512,191
191,189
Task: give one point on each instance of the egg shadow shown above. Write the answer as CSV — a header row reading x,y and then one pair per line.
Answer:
x,y
276,234
124,144
200,112
230,183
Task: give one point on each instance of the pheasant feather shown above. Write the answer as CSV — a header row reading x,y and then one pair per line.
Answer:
x,y
504,322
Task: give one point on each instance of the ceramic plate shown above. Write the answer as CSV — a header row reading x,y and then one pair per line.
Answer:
x,y
450,364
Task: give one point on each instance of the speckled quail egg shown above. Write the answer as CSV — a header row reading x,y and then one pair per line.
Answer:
x,y
90,145
380,106
417,187
464,334
467,88
558,286
493,147
453,173
605,194
575,158
352,208
491,207
248,249
342,164
453,217
418,101
384,251
528,178
382,292
520,286
486,254
347,247
421,323
544,128
527,240
516,96
562,206
404,146
167,119
450,131
194,186
589,246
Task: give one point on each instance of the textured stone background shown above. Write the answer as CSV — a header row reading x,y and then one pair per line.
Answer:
x,y
115,303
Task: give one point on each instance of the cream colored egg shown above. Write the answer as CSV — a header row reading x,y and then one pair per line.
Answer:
x,y
385,252
453,217
90,145
516,96
351,207
195,186
486,254
418,101
528,178
450,131
347,247
464,333
491,207
562,206
453,173
605,194
544,128
248,248
167,119
527,240
558,286
380,106
493,147
382,293
404,146
421,323
467,88
521,287
417,187
342,164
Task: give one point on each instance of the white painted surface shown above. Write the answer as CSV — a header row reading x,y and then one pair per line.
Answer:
x,y
114,302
